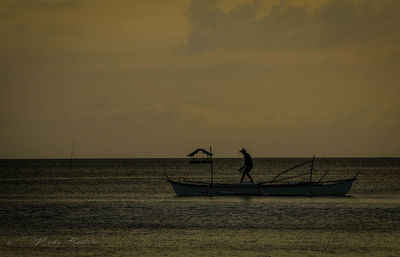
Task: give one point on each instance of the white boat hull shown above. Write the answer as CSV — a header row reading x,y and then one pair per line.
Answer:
x,y
334,188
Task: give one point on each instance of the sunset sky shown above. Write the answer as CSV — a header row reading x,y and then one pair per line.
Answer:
x,y
161,78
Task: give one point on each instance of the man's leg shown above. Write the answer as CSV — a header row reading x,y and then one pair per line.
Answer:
x,y
250,177
242,177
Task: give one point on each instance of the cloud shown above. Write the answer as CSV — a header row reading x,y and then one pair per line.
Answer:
x,y
246,72
290,25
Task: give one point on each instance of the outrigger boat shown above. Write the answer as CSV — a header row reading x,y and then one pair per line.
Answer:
x,y
274,187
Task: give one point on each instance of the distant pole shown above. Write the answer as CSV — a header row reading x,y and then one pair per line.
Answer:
x,y
212,172
72,154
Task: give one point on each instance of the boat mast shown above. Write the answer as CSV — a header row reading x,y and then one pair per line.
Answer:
x,y
311,171
211,168
312,168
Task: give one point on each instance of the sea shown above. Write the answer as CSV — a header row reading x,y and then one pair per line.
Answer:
x,y
125,207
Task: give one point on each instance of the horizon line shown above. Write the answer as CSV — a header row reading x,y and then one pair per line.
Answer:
x,y
255,157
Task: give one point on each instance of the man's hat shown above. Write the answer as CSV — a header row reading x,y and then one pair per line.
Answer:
x,y
243,150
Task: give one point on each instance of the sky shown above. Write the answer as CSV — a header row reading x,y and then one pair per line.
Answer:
x,y
155,78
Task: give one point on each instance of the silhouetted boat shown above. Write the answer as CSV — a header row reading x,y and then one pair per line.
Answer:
x,y
275,187
328,188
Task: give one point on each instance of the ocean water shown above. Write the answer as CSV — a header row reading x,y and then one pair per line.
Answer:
x,y
125,207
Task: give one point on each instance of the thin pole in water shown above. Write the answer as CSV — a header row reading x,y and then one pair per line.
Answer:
x,y
72,154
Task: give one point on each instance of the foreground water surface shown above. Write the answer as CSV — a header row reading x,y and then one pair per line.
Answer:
x,y
124,207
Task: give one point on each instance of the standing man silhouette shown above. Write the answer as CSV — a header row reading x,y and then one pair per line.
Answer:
x,y
247,166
